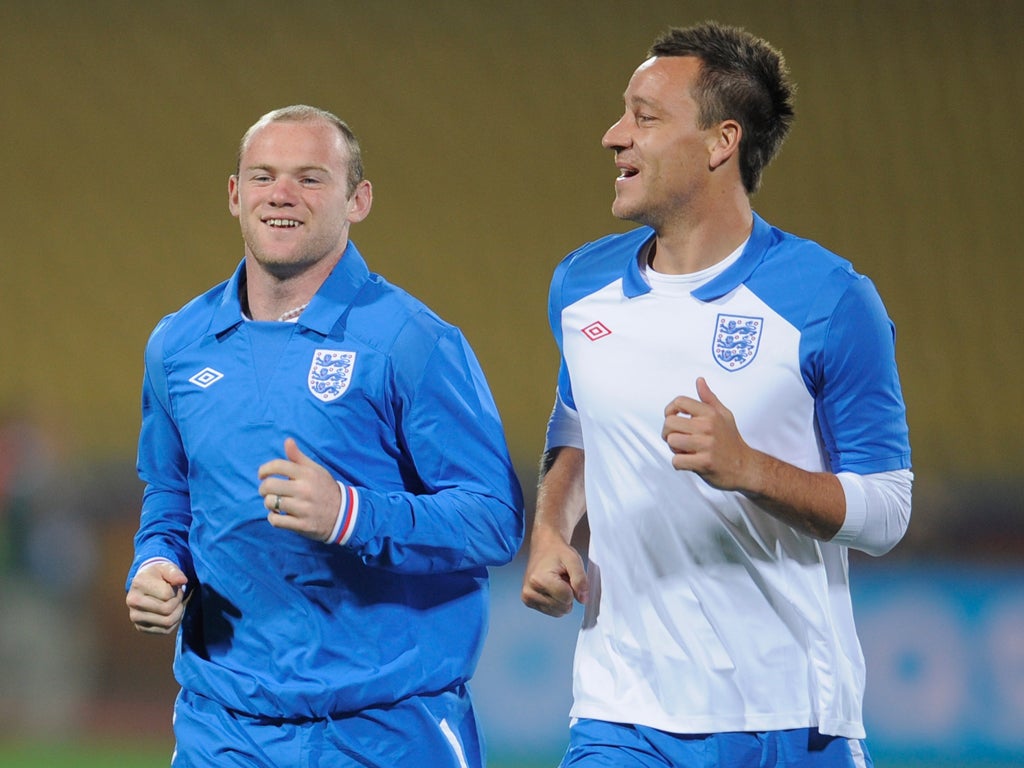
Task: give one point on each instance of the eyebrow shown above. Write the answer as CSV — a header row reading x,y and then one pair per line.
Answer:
x,y
301,169
642,102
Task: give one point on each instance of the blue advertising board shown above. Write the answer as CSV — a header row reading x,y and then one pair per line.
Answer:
x,y
945,658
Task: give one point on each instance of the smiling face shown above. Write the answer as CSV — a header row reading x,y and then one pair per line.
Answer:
x,y
291,196
662,155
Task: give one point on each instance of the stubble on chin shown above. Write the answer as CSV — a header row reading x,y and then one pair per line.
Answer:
x,y
287,267
620,210
285,270
630,213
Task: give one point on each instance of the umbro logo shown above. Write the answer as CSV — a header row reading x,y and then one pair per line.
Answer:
x,y
206,377
596,330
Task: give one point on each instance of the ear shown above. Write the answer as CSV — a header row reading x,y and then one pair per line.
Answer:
x,y
233,204
360,202
724,143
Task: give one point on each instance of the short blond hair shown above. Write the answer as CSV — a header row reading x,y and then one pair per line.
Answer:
x,y
301,113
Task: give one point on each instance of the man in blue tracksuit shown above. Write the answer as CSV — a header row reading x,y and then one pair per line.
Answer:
x,y
327,481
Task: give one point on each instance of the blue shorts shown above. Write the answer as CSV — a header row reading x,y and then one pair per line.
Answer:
x,y
438,730
598,744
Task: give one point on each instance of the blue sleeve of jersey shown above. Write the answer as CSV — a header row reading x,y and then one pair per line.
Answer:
x,y
469,512
166,512
555,305
852,373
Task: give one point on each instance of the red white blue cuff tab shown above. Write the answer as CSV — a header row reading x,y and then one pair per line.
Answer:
x,y
347,515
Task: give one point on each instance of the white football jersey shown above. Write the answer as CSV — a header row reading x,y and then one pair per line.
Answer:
x,y
707,614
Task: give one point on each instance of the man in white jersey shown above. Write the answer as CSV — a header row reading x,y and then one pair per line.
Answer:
x,y
729,419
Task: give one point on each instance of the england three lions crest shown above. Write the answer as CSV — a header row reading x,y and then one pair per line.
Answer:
x,y
736,340
330,373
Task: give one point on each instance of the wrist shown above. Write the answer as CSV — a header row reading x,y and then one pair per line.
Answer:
x,y
348,513
544,533
756,474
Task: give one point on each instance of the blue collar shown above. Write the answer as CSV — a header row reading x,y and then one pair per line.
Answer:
x,y
327,305
634,284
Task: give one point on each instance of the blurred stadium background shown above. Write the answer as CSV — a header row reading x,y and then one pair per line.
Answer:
x,y
481,123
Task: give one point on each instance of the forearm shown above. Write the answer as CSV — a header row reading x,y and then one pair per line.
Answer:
x,y
877,510
561,498
555,573
163,531
811,502
451,530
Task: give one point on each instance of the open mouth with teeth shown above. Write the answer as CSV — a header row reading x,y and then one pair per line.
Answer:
x,y
282,223
627,173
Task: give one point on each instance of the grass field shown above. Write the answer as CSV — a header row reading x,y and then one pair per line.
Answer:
x,y
13,755
81,756
142,756
113,756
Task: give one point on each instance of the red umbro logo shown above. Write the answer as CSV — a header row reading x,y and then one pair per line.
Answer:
x,y
596,330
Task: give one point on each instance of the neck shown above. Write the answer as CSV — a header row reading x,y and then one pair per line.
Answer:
x,y
684,247
271,295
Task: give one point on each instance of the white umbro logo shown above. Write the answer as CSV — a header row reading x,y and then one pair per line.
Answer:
x,y
206,377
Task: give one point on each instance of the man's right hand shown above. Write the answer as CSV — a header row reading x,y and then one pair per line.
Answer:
x,y
156,598
555,575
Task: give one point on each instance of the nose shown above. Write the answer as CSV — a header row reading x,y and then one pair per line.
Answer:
x,y
283,192
616,137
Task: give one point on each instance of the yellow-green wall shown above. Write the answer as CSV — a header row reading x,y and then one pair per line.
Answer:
x,y
481,124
